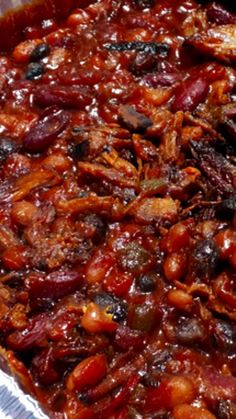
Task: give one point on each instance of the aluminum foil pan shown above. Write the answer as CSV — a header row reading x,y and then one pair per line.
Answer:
x,y
14,403
15,400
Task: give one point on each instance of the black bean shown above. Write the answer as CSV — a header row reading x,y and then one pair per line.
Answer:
x,y
40,51
119,311
34,71
113,306
147,282
205,257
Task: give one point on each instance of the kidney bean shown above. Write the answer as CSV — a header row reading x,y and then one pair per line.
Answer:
x,y
42,134
69,97
126,338
155,80
54,285
190,93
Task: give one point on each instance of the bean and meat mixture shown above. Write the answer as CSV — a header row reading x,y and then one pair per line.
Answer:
x,y
117,211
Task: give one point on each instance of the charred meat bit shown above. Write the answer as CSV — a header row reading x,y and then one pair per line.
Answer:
x,y
218,170
217,41
133,120
147,47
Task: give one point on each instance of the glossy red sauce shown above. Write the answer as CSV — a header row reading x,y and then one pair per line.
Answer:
x,y
117,211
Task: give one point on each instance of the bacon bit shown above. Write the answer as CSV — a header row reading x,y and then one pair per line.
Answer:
x,y
97,320
55,285
154,209
218,41
133,120
94,204
123,395
87,373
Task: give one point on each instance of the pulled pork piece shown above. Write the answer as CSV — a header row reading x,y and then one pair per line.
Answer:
x,y
154,209
218,41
